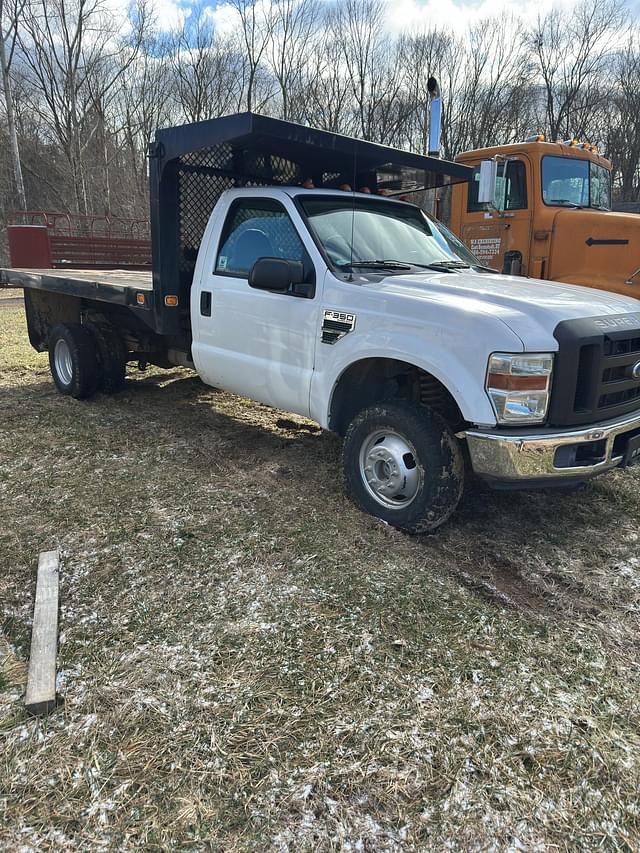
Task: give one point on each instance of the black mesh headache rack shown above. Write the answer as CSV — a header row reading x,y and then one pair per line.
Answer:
x,y
191,165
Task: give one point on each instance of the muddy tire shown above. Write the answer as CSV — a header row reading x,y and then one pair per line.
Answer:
x,y
403,464
112,358
73,360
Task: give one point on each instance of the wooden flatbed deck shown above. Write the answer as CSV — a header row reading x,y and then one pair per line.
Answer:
x,y
119,286
117,278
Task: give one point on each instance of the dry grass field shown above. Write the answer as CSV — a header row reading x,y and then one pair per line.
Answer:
x,y
248,663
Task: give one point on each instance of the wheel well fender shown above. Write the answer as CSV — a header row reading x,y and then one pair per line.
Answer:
x,y
370,380
45,310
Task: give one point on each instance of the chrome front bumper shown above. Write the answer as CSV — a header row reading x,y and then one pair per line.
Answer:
x,y
544,458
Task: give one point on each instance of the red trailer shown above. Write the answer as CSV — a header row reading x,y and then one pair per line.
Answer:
x,y
40,239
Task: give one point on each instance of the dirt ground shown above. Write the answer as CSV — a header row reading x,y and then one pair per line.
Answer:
x,y
247,662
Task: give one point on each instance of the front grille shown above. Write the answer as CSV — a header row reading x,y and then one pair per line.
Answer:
x,y
594,370
617,385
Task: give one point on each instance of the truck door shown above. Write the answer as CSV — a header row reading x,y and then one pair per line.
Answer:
x,y
500,235
256,343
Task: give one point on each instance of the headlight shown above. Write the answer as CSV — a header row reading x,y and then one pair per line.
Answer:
x,y
519,386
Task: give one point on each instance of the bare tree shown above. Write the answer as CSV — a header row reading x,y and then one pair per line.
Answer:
x,y
144,104
294,23
10,13
102,80
572,52
324,93
623,120
68,48
256,23
370,62
205,72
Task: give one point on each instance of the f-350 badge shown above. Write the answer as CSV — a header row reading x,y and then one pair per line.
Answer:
x,y
337,324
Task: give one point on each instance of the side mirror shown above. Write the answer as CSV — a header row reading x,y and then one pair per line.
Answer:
x,y
275,274
488,179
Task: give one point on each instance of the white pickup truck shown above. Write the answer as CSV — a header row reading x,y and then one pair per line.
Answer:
x,y
359,311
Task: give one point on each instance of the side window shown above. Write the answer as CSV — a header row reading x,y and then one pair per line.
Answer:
x,y
511,188
473,205
256,228
515,189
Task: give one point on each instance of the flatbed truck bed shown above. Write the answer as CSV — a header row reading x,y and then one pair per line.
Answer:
x,y
120,299
116,286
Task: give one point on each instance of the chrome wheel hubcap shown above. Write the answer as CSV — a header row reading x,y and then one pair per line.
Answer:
x,y
389,469
62,359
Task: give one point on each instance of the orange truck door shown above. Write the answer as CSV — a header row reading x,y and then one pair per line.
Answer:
x,y
501,237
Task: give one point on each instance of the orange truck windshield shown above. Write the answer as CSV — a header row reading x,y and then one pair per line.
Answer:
x,y
569,182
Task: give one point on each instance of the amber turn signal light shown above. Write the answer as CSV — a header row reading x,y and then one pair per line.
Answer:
x,y
513,382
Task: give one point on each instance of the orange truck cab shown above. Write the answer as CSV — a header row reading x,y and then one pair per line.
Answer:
x,y
550,217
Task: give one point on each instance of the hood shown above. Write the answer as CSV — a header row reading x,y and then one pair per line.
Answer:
x,y
596,248
529,307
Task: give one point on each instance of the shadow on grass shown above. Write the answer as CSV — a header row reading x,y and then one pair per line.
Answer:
x,y
173,406
493,543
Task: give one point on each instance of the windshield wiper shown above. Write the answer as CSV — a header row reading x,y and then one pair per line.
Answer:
x,y
378,265
389,264
564,202
486,269
448,266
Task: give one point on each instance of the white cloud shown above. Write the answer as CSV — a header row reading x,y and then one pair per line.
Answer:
x,y
165,14
402,15
418,15
168,14
224,17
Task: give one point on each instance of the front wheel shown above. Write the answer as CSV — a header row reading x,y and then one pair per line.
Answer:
x,y
403,464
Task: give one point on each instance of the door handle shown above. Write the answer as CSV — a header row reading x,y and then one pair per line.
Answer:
x,y
205,303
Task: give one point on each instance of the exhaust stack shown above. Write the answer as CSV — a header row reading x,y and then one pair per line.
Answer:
x,y
435,117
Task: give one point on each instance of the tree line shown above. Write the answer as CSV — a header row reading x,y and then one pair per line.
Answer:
x,y
85,87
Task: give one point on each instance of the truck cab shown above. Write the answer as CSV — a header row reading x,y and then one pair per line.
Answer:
x,y
550,216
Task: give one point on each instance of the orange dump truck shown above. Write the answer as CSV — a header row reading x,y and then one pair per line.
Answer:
x,y
550,215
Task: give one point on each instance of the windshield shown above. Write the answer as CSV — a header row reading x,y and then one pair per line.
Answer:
x,y
571,182
382,232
